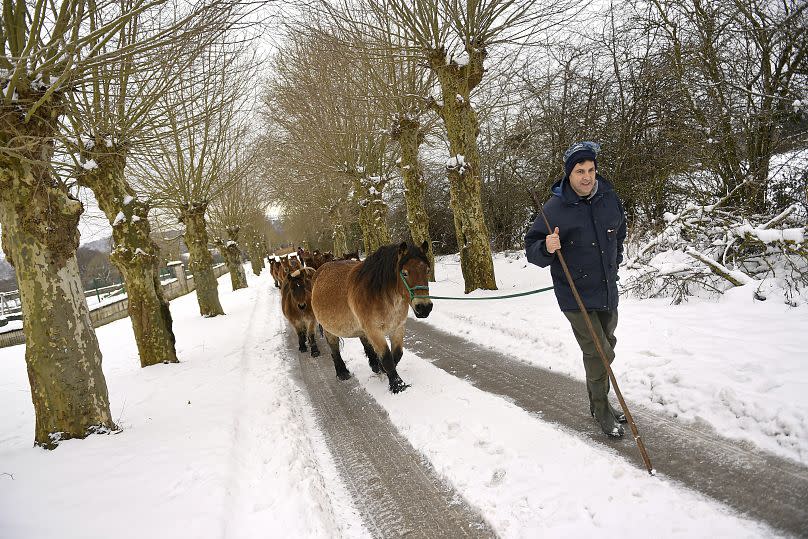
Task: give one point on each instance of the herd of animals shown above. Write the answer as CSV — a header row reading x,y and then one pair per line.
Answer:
x,y
351,298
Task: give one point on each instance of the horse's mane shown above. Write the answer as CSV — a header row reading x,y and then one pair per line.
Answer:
x,y
379,272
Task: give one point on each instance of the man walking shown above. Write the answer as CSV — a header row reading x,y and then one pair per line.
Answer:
x,y
589,224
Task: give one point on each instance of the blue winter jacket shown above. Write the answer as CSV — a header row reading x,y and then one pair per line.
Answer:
x,y
591,233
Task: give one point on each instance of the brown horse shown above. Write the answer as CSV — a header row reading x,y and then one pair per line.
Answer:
x,y
305,257
287,264
369,300
296,306
293,262
275,269
318,259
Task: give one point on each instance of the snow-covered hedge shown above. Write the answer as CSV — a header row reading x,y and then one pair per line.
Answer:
x,y
708,250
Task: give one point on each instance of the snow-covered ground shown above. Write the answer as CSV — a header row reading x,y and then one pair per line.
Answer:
x,y
737,363
224,445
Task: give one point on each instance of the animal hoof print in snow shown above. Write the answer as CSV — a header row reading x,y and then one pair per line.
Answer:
x,y
343,375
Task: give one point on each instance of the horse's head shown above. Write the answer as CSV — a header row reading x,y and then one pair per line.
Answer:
x,y
413,266
298,284
294,263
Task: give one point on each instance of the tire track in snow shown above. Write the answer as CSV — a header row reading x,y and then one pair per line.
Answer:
x,y
758,484
232,493
271,445
395,489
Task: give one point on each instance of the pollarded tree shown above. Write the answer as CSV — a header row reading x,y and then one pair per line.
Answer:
x,y
110,118
400,85
332,132
231,213
256,233
454,39
307,194
187,167
227,243
46,52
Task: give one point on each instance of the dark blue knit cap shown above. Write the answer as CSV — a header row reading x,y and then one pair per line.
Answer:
x,y
579,152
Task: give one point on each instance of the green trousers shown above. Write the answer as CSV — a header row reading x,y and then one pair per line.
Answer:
x,y
604,322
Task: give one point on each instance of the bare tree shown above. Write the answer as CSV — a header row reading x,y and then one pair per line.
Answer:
x,y
257,237
740,65
453,39
187,166
110,118
334,139
608,84
46,50
234,211
400,84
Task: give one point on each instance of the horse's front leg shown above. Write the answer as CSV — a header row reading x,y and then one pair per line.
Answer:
x,y
379,344
397,342
373,358
315,350
301,338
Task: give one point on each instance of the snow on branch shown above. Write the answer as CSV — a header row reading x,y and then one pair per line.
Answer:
x,y
709,249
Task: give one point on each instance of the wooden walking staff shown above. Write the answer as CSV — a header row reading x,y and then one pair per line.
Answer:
x,y
602,354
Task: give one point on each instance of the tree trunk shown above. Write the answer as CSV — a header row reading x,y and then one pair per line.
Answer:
x,y
40,238
255,251
256,258
340,241
232,257
463,167
372,213
201,262
759,158
407,131
134,252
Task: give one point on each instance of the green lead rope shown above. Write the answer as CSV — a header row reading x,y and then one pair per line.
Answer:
x,y
411,290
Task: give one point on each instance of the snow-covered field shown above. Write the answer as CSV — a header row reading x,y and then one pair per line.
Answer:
x,y
224,445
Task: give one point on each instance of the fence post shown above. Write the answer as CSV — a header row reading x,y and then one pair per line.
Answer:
x,y
179,273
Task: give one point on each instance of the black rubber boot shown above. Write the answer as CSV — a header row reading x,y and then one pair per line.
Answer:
x,y
601,410
608,424
618,415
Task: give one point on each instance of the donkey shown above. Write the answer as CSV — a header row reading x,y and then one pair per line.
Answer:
x,y
296,306
369,300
